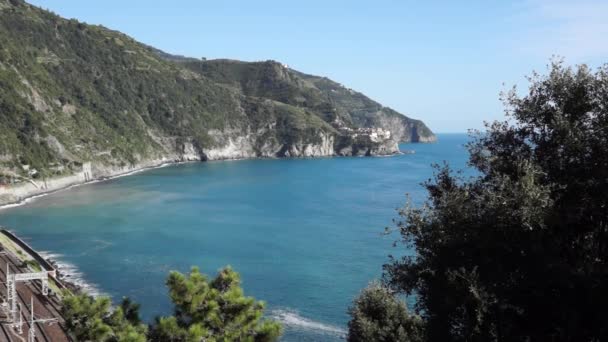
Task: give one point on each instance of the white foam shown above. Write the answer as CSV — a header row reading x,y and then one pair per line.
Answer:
x,y
292,319
70,273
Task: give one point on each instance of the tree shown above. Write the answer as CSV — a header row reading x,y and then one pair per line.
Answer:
x,y
377,315
213,310
92,319
130,310
520,251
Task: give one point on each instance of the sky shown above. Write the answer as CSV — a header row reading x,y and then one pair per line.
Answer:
x,y
444,62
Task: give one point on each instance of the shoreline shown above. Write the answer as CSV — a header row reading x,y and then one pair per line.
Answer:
x,y
64,275
28,198
70,276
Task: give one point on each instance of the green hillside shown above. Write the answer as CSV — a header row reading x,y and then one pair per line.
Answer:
x,y
72,93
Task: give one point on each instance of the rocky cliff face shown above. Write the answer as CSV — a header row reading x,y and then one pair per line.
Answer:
x,y
233,145
404,130
15,188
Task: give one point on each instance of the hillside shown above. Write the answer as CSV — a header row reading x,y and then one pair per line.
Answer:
x,y
78,99
330,100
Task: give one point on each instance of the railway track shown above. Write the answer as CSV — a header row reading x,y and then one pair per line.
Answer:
x,y
5,334
24,307
44,307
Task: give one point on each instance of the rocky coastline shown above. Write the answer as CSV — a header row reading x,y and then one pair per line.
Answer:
x,y
376,143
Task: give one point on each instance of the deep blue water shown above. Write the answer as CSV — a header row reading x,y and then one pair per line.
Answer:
x,y
305,234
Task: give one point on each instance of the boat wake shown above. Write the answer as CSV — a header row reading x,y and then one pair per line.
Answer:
x,y
69,272
292,319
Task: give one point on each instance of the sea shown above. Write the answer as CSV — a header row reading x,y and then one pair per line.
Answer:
x,y
306,235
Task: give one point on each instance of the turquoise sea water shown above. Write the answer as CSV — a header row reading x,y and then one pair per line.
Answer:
x,y
305,234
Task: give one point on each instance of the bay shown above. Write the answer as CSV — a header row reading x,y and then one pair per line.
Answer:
x,y
306,235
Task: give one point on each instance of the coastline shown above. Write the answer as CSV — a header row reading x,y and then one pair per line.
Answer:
x,y
69,275
38,193
25,193
64,276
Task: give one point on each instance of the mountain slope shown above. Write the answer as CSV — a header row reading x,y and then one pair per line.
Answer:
x,y
78,99
330,100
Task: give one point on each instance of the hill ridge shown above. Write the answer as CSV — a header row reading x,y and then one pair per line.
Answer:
x,y
79,99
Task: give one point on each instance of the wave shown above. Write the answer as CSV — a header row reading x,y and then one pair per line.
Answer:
x,y
291,318
70,273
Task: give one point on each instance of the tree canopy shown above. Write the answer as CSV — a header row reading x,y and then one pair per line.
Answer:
x,y
519,251
378,315
213,310
92,319
205,310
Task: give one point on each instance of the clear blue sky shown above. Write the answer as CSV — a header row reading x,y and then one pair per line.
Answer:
x,y
442,62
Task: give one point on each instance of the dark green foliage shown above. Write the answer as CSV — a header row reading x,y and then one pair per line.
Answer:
x,y
205,310
520,252
213,310
91,319
377,315
130,310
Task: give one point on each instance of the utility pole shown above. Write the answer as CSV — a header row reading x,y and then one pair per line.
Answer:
x,y
31,335
11,289
20,324
11,295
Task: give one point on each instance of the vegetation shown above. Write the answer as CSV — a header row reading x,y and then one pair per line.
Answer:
x,y
378,315
32,264
329,100
72,93
93,319
213,310
518,252
205,310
